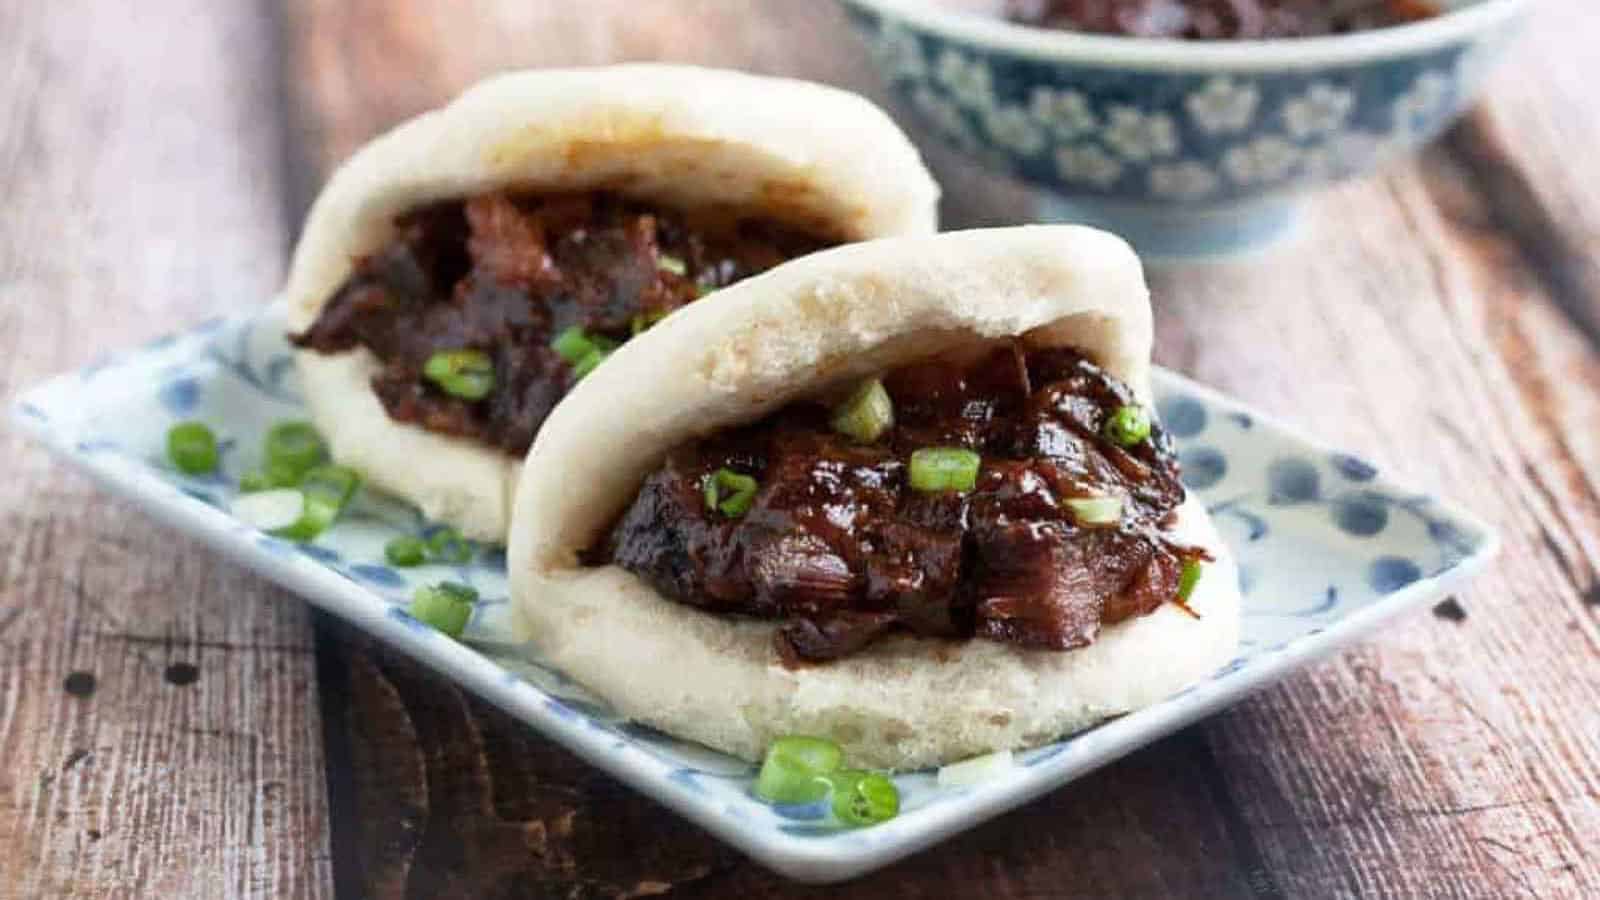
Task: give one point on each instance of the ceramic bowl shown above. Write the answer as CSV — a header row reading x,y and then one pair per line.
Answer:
x,y
1186,148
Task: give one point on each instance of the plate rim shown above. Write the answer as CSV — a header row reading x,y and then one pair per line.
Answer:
x,y
815,859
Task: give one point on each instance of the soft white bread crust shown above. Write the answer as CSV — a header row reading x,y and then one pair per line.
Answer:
x,y
805,327
687,137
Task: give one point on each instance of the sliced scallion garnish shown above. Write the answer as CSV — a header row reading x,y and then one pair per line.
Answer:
x,y
1095,511
446,606
572,344
866,414
935,469
192,447
405,551
270,509
730,493
327,490
1128,425
589,363
1188,580
977,769
795,769
864,798
292,449
468,374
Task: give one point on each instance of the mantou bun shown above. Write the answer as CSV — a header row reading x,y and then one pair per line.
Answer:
x,y
809,156
806,327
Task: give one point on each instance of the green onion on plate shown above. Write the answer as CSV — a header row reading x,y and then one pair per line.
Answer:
x,y
327,491
864,798
795,769
975,770
405,551
445,606
192,447
291,449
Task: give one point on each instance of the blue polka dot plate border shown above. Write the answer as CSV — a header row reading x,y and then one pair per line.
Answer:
x,y
1328,549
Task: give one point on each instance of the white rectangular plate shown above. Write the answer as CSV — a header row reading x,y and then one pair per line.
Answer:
x,y
1328,549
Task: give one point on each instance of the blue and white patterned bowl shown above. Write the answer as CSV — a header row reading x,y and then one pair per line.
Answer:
x,y
1186,148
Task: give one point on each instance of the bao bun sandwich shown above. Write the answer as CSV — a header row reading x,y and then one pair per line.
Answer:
x,y
461,273
906,495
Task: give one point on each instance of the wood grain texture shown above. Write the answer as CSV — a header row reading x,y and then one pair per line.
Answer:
x,y
1448,335
1447,758
141,192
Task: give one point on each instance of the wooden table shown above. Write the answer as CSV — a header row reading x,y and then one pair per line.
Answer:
x,y
172,726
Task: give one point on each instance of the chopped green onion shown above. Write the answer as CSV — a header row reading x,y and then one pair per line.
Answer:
x,y
405,551
1189,578
291,450
669,263
795,770
445,606
730,492
446,545
975,770
700,290
468,374
269,510
864,798
936,469
192,448
867,414
572,344
327,490
589,363
1095,511
282,474
275,474
1128,425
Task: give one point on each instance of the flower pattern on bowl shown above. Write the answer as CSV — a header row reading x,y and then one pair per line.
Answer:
x,y
1087,164
1322,109
1168,135
1225,105
1064,111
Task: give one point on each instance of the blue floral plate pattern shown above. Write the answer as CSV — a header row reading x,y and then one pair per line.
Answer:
x,y
1327,547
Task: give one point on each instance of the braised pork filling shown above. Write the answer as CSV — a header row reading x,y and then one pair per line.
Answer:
x,y
485,312
1017,497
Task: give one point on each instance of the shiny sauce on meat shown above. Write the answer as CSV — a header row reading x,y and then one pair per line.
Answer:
x,y
839,547
504,274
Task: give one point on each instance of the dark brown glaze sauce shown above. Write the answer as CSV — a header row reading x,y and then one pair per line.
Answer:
x,y
504,274
1218,19
842,550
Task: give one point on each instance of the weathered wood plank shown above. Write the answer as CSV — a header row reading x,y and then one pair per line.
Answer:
x,y
139,162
